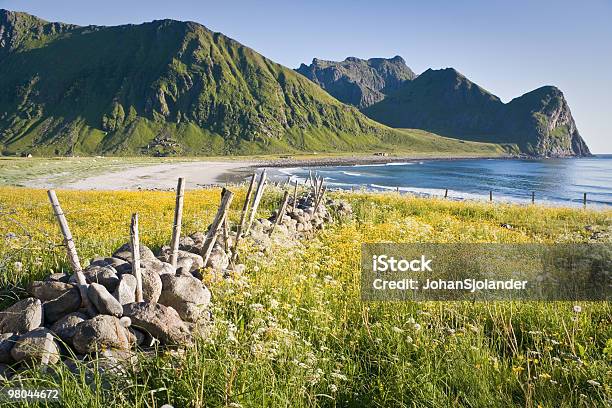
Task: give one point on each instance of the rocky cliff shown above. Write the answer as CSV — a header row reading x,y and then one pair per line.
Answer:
x,y
358,82
444,101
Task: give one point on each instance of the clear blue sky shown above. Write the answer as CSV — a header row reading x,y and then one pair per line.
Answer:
x,y
507,47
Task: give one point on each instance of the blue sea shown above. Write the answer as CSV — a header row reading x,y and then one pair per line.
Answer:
x,y
554,181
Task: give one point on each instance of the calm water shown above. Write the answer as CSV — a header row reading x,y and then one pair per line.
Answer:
x,y
555,181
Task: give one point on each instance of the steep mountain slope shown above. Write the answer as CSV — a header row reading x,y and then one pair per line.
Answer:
x,y
358,82
169,87
444,101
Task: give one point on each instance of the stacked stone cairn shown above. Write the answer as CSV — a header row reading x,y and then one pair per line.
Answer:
x,y
55,324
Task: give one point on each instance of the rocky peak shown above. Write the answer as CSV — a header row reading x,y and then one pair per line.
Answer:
x,y
18,29
357,81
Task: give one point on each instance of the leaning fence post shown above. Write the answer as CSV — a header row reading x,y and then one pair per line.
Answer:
x,y
135,246
71,251
213,232
245,209
256,200
281,212
446,193
178,218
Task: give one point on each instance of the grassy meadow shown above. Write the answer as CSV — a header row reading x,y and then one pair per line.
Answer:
x,y
292,331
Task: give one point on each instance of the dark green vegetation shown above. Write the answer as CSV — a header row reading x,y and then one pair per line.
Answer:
x,y
171,88
446,102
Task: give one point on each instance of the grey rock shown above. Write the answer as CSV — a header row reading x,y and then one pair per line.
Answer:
x,y
36,345
48,290
151,285
187,295
126,290
7,341
104,275
218,259
197,261
57,277
157,266
67,303
104,302
103,331
65,328
161,322
108,261
125,253
22,317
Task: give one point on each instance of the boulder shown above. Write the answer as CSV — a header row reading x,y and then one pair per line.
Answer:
x,y
197,261
65,328
48,290
218,259
185,294
22,317
104,275
58,277
161,322
151,285
126,290
108,261
103,331
67,303
7,341
157,266
125,253
104,302
36,346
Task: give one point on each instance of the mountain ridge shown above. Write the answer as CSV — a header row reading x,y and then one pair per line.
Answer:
x,y
169,87
446,102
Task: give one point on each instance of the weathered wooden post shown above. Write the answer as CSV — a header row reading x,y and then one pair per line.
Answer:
x,y
71,251
211,237
320,198
178,218
490,195
446,193
294,204
135,247
245,210
533,197
584,199
281,212
257,199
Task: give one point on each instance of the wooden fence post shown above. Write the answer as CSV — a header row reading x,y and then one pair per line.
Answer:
x,y
490,195
71,251
320,199
294,204
281,212
256,200
533,197
211,237
446,193
178,219
135,247
584,199
245,209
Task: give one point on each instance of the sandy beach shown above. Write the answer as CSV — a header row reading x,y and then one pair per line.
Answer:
x,y
163,176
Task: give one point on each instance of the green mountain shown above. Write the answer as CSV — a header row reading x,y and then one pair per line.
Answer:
x,y
444,101
171,88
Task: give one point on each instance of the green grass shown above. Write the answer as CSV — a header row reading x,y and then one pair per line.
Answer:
x,y
292,332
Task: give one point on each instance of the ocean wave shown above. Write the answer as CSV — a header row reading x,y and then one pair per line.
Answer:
x,y
348,173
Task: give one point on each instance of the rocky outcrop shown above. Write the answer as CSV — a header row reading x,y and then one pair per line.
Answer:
x,y
538,123
444,101
356,81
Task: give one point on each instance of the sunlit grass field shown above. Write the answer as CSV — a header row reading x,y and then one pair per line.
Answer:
x,y
292,331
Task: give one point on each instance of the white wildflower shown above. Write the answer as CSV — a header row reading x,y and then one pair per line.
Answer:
x,y
258,307
577,308
594,383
